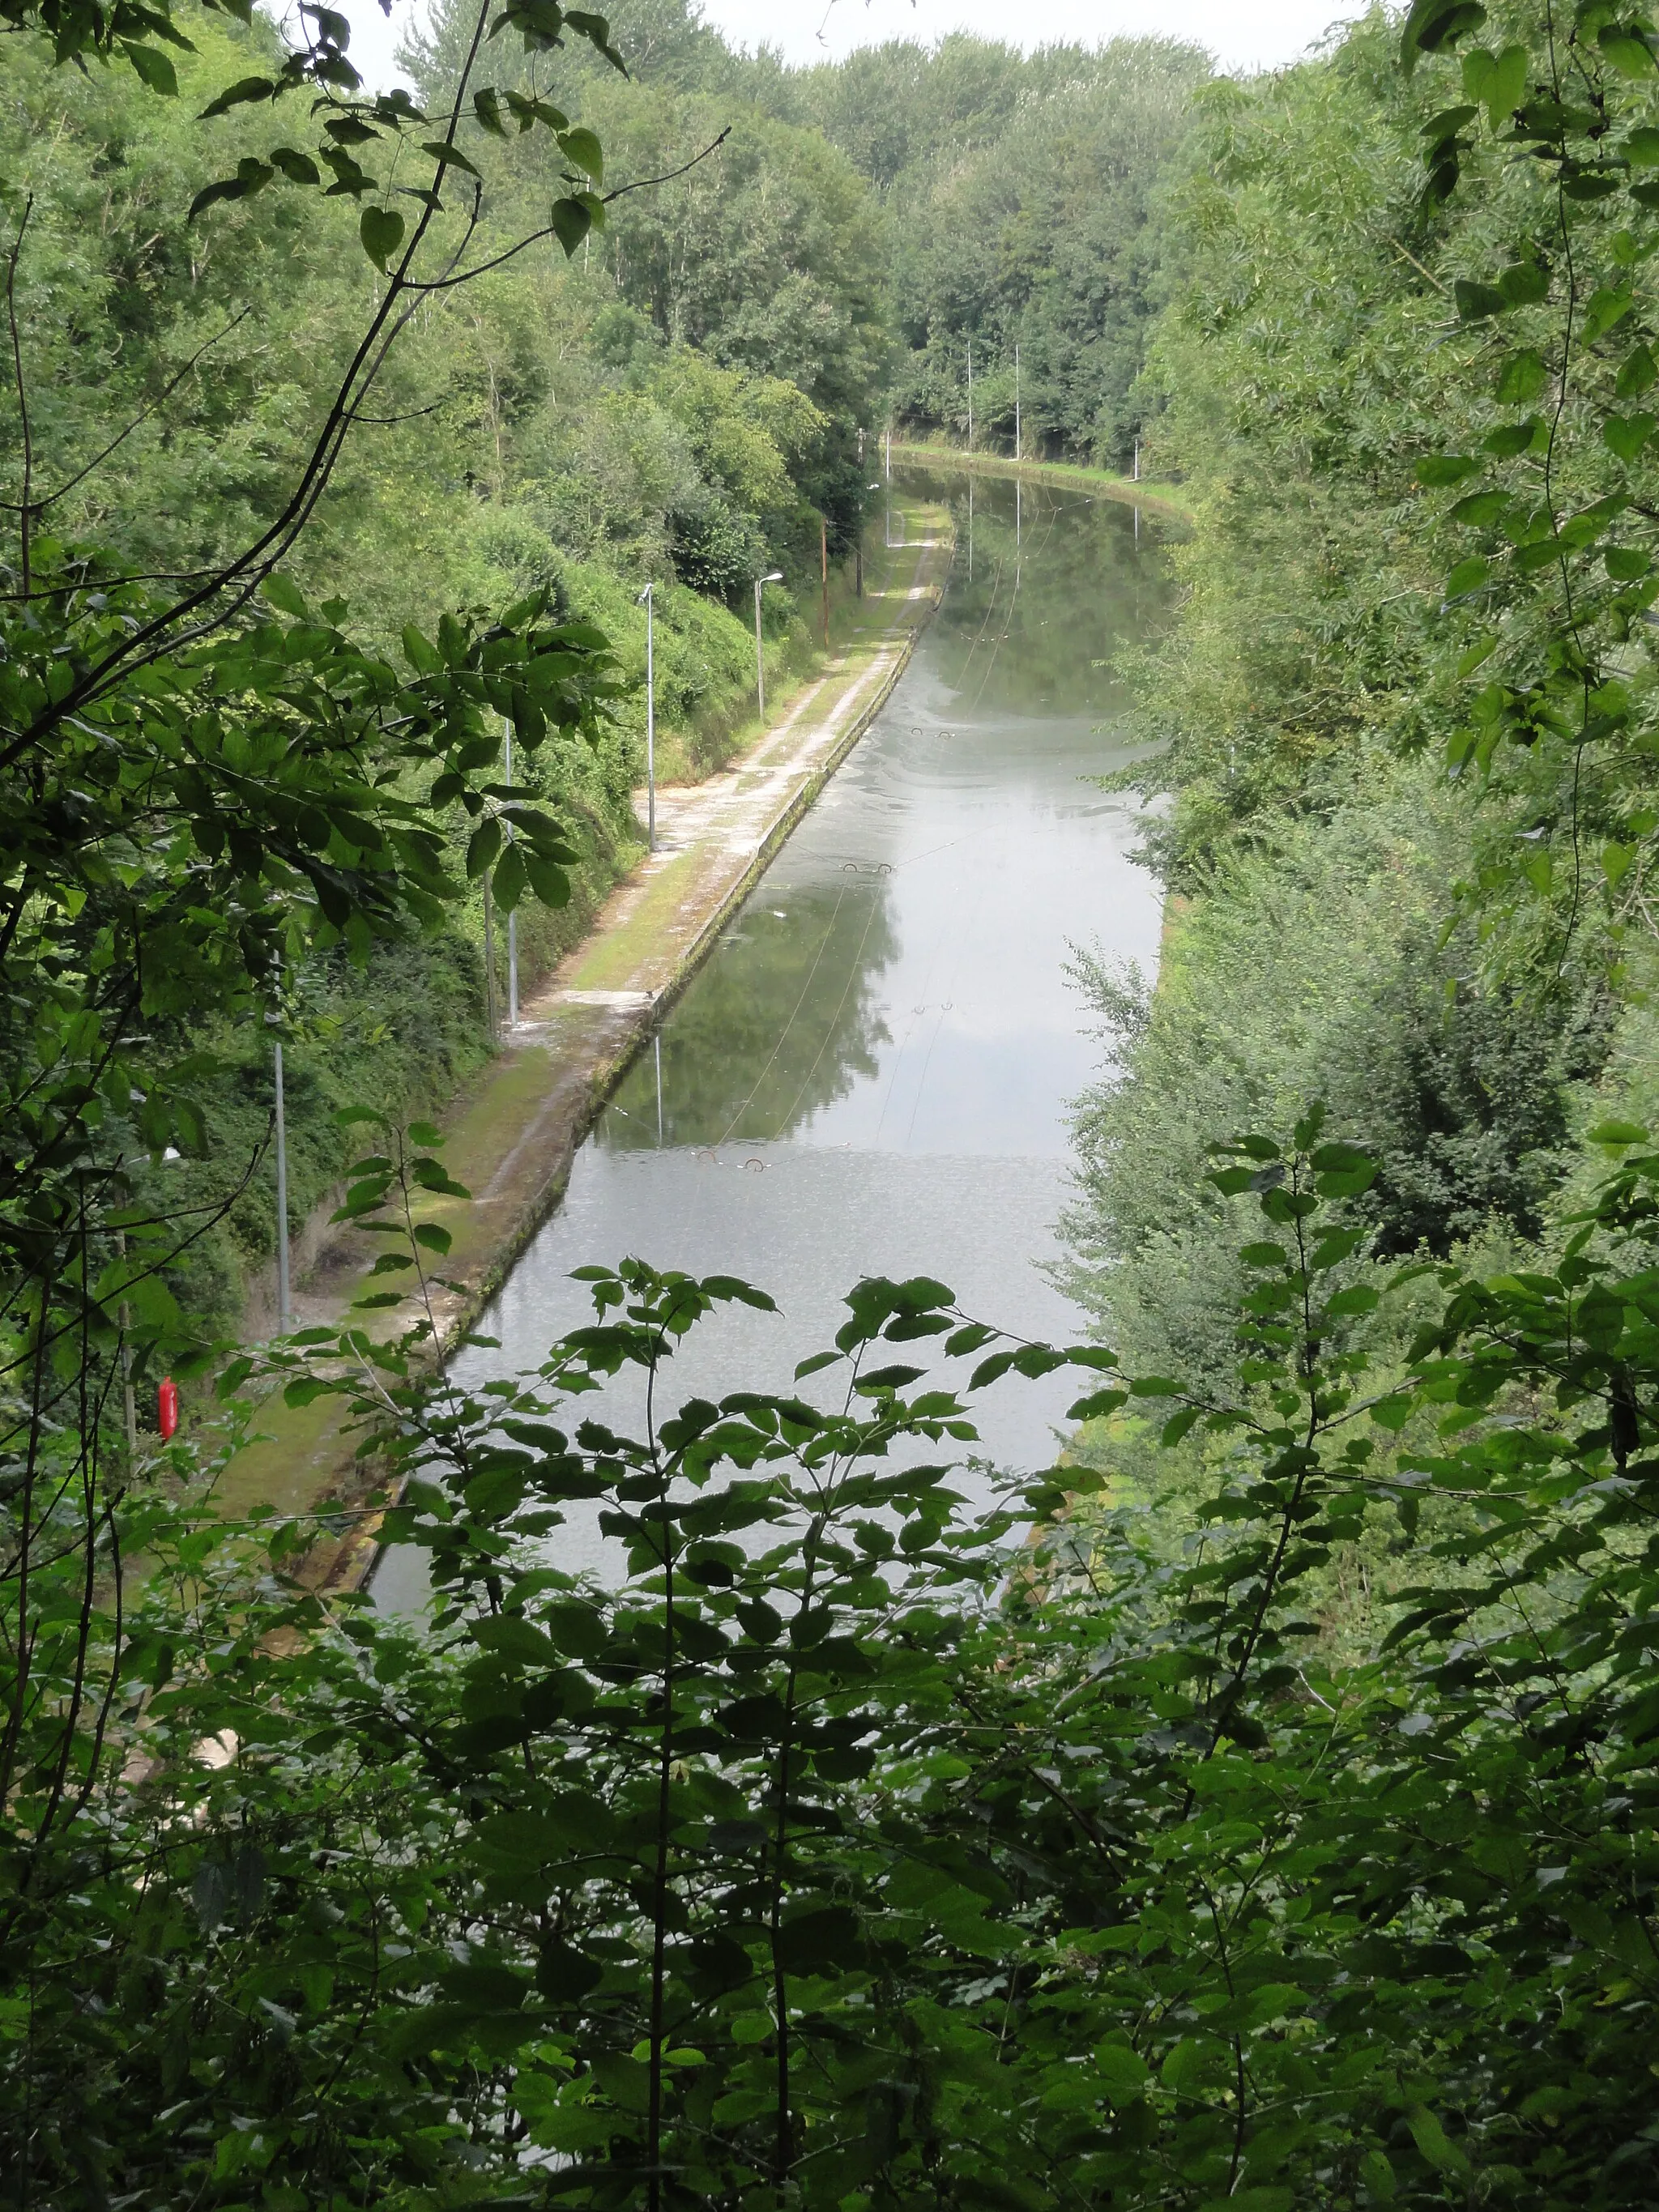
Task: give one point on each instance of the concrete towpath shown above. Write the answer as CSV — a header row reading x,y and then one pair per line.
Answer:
x,y
511,1134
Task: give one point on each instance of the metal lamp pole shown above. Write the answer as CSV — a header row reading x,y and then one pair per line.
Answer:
x,y
859,550
645,599
775,577
1017,444
284,1308
970,395
511,921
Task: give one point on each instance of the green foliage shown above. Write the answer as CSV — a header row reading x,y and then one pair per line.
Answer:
x,y
838,1846
1021,191
1318,966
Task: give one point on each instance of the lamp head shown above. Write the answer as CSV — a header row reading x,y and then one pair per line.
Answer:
x,y
777,577
645,595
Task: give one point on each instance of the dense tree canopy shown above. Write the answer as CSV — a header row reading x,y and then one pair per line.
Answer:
x,y
1259,1812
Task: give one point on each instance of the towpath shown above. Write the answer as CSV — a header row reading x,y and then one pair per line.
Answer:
x,y
511,1134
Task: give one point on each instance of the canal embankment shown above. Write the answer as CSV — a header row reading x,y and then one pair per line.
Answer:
x,y
511,1134
875,1072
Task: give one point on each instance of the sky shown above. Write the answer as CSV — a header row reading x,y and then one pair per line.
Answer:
x,y
1259,34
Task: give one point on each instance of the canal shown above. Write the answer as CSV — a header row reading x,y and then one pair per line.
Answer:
x,y
872,1073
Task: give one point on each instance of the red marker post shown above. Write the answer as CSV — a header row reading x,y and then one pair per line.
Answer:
x,y
167,1408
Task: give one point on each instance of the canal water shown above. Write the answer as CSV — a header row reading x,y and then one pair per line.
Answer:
x,y
872,1073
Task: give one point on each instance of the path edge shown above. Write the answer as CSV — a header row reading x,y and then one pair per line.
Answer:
x,y
353,1564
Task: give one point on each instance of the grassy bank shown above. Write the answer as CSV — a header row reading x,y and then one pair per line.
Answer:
x,y
1167,498
408,1030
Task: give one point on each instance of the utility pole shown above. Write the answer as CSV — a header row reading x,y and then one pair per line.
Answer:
x,y
511,921
970,395
775,577
650,718
489,965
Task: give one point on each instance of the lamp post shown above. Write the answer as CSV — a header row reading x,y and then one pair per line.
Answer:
x,y
284,1313
512,921
644,600
775,577
1017,446
970,395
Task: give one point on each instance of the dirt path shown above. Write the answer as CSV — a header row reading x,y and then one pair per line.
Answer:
x,y
511,1134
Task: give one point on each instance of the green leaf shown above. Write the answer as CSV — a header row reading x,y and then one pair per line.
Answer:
x,y
152,67
381,230
1436,469
1480,509
483,846
298,168
251,177
583,148
1430,25
1511,438
447,156
285,595
1124,2075
571,221
1475,302
244,88
1433,2142
1523,284
550,882
1618,1133
1629,53
1468,577
509,881
1607,306
1626,434
824,1940
1639,371
1498,82
487,107
1521,377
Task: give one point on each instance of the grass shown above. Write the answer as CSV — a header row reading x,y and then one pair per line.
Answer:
x,y
303,1454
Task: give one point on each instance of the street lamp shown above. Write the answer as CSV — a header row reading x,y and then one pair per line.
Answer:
x,y
777,577
644,600
512,920
284,1310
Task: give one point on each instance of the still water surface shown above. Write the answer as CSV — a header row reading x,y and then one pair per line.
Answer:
x,y
872,1074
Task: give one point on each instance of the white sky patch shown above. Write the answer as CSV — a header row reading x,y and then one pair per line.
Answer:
x,y
1265,35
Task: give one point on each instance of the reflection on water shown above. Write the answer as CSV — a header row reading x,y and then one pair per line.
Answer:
x,y
871,1074
896,982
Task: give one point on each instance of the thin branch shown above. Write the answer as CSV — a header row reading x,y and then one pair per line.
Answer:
x,y
138,422
641,184
257,560
27,510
